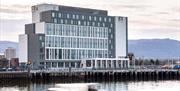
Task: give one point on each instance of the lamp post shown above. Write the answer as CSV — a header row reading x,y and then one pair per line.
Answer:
x,y
29,67
172,63
134,62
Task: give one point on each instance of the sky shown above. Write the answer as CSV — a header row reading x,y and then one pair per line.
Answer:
x,y
147,19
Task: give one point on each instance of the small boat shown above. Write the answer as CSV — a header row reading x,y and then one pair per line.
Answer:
x,y
56,89
75,87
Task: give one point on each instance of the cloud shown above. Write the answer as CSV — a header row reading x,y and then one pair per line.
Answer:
x,y
10,29
134,6
176,20
145,23
14,9
15,12
136,33
144,15
162,13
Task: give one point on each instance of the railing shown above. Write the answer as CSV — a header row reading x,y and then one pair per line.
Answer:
x,y
99,70
89,70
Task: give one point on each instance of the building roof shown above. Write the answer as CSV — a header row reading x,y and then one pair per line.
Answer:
x,y
75,9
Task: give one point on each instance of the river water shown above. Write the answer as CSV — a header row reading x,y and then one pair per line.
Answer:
x,y
20,85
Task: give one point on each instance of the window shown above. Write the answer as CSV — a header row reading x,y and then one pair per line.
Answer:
x,y
40,37
66,21
48,64
55,20
73,64
85,23
42,44
66,64
61,20
111,47
105,19
77,16
100,18
59,15
68,16
120,19
79,22
98,24
111,25
41,50
54,64
82,17
111,36
88,63
73,16
90,18
60,64
103,24
94,18
93,23
109,19
53,14
88,23
71,21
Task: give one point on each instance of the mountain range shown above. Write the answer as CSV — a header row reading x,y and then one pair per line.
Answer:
x,y
148,48
155,48
5,44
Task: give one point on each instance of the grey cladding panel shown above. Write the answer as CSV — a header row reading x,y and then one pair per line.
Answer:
x,y
30,28
46,17
82,10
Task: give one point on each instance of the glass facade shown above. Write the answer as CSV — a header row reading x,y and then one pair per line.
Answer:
x,y
65,41
72,34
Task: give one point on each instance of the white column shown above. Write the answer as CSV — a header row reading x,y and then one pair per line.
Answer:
x,y
122,64
75,64
50,64
63,64
45,65
95,63
56,64
128,63
117,64
112,65
101,61
77,53
105,63
57,53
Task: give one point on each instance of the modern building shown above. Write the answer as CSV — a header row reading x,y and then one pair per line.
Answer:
x,y
10,53
61,36
4,63
14,63
2,55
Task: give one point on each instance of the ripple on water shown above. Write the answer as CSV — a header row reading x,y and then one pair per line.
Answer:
x,y
9,89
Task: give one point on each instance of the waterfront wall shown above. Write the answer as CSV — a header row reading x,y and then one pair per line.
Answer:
x,y
98,74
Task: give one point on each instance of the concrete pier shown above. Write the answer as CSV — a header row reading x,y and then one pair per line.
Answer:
x,y
126,74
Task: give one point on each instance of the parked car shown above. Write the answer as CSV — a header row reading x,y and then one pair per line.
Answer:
x,y
176,67
2,69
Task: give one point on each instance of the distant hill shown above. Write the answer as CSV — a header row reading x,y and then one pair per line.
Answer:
x,y
155,48
150,48
5,44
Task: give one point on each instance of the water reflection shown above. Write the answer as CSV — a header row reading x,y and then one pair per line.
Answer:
x,y
43,85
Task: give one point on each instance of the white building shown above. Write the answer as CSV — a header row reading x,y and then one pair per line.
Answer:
x,y
10,53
